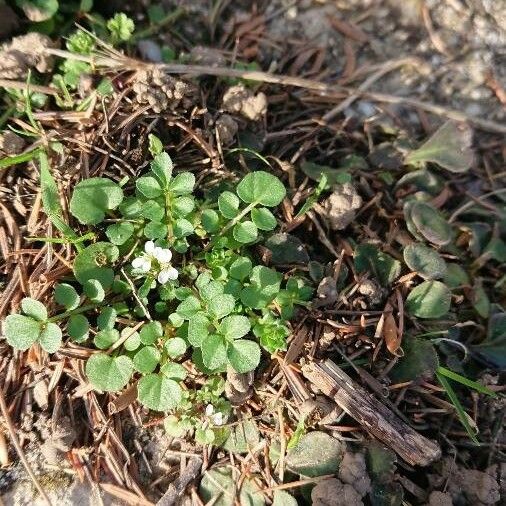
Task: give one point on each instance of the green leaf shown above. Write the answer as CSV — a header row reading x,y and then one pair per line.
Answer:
x,y
155,230
480,300
151,332
198,329
159,393
131,207
51,337
149,187
146,359
176,347
218,486
228,203
119,233
265,285
245,232
161,166
182,228
455,276
287,249
93,262
155,149
384,267
121,27
67,296
214,351
94,290
210,220
240,268
153,211
425,261
235,326
334,176
78,328
21,331
38,10
419,361
211,290
449,147
93,197
189,307
316,454
243,437
174,371
183,205
493,348
34,309
221,305
106,338
109,374
183,183
431,224
107,318
263,218
431,299
243,355
282,498
133,341
260,187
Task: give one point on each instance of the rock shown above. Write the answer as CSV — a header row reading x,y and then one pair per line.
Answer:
x,y
372,290
340,208
227,129
60,441
353,471
326,292
238,99
440,499
332,492
479,488
11,143
149,50
24,53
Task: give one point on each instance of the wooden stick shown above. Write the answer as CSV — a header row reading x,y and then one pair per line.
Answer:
x,y
376,418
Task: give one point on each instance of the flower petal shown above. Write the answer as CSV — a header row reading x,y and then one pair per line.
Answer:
x,y
209,410
163,255
142,263
218,418
149,247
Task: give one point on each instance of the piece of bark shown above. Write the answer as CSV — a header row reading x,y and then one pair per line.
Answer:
x,y
176,489
376,418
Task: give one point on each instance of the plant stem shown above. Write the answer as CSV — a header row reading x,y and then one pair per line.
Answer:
x,y
79,310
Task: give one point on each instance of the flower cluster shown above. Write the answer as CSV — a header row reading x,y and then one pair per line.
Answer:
x,y
215,417
156,259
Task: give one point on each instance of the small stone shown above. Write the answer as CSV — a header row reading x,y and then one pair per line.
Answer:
x,y
238,99
11,143
372,290
440,499
340,208
353,471
332,492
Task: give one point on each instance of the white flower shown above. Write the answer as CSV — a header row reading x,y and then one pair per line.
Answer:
x,y
158,259
216,418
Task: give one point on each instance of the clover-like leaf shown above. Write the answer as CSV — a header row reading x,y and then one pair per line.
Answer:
x,y
245,232
106,338
161,166
93,197
240,268
218,486
109,374
282,498
420,360
188,307
173,370
211,290
455,276
183,183
424,260
175,347
94,290
431,224
21,331
133,341
210,220
235,326
151,332
158,392
155,148
431,299
183,205
153,211
107,318
34,309
93,263
221,305
119,233
51,337
243,355
155,230
228,204
243,436
149,187
369,258
182,228
260,187
214,351
263,218
198,328
78,328
38,10
67,296
146,359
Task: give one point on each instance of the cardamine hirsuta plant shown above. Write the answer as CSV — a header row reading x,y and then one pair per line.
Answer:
x,y
169,286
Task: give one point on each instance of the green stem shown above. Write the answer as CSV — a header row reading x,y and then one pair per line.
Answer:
x,y
79,310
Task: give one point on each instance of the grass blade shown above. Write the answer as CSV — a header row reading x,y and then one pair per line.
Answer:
x,y
458,406
465,381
